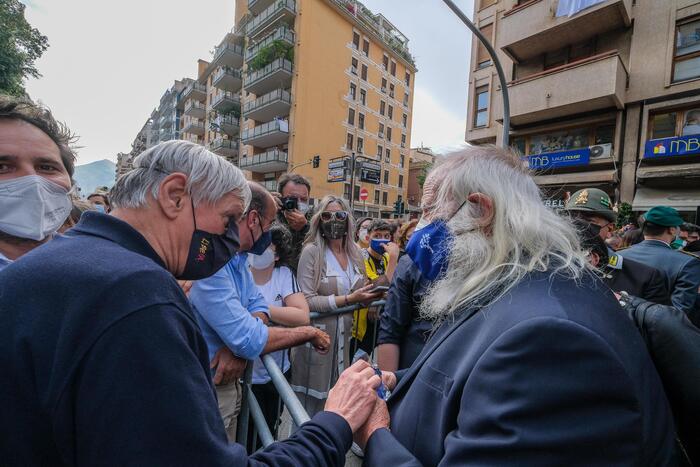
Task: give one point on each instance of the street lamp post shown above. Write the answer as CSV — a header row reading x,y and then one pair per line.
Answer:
x,y
499,68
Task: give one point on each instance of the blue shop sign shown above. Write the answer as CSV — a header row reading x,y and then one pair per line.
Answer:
x,y
667,147
560,159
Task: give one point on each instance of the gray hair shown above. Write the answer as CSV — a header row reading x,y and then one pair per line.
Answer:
x,y
209,177
485,262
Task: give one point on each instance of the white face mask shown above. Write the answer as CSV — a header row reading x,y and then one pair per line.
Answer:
x,y
363,235
263,261
303,207
32,207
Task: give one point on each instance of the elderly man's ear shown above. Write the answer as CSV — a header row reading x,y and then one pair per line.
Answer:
x,y
483,205
172,195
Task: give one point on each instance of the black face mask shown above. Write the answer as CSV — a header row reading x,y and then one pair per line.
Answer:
x,y
334,229
209,252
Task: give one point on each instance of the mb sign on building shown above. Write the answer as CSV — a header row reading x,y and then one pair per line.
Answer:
x,y
604,93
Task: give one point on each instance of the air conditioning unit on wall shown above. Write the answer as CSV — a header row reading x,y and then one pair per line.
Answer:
x,y
601,151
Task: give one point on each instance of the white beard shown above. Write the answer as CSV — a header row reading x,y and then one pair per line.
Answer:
x,y
469,253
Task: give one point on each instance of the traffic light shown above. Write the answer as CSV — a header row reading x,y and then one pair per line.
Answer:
x,y
397,207
316,162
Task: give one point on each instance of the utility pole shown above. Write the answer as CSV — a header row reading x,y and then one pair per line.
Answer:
x,y
352,180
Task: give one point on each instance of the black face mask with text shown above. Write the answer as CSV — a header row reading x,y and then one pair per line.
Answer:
x,y
209,252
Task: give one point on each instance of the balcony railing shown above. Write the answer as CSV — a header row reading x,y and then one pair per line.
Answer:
x,y
223,145
267,106
226,124
282,33
194,127
281,9
196,91
228,79
228,54
280,69
273,160
225,102
265,129
195,109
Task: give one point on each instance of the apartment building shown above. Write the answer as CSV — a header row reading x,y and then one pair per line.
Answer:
x,y
421,160
165,119
326,78
604,93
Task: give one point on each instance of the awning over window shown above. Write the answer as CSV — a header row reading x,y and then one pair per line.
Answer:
x,y
683,200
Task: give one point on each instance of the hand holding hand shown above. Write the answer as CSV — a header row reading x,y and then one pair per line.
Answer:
x,y
378,418
354,395
228,366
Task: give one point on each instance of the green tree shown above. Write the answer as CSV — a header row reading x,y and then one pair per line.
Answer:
x,y
20,46
624,215
424,173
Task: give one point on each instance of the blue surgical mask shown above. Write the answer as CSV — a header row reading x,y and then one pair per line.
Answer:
x,y
429,249
99,208
376,245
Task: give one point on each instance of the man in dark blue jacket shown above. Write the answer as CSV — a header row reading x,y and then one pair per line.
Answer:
x,y
102,360
534,362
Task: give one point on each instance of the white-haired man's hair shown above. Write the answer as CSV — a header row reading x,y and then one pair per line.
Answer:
x,y
209,177
524,235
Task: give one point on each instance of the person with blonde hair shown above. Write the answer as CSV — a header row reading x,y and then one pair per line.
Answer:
x,y
331,274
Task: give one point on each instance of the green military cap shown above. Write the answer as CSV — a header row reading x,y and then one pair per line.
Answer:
x,y
593,201
664,216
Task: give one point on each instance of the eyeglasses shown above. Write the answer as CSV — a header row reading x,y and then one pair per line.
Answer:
x,y
338,215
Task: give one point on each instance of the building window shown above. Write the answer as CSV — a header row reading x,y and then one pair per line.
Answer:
x,y
564,140
569,54
405,100
402,161
393,68
361,121
482,106
353,91
403,140
390,112
385,62
356,192
404,120
384,85
382,108
364,72
346,191
381,130
686,59
386,176
365,48
387,156
355,41
400,181
360,145
483,59
380,152
363,96
391,90
348,142
385,198
376,196
676,123
388,133
353,66
407,79
351,116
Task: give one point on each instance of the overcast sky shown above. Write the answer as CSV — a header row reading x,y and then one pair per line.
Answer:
x,y
109,63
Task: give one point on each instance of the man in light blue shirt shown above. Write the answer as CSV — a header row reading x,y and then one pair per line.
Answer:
x,y
233,314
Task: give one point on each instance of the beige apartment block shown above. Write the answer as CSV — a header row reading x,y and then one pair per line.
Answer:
x,y
604,93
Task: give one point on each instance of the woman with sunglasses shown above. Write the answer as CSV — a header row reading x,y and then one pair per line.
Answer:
x,y
331,275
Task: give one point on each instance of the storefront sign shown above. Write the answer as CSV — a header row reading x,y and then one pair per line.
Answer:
x,y
560,159
667,147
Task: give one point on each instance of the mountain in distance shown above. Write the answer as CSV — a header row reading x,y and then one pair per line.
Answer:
x,y
93,175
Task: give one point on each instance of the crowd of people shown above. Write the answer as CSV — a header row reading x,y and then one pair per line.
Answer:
x,y
506,333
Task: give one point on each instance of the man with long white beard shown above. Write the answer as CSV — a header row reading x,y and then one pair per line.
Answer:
x,y
532,361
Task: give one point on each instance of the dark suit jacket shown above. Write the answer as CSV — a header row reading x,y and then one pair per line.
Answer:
x,y
554,373
639,280
682,271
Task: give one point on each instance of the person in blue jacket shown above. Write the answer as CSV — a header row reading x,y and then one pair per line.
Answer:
x,y
532,362
102,359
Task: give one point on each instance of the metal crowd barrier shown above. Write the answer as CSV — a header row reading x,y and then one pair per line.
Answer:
x,y
250,408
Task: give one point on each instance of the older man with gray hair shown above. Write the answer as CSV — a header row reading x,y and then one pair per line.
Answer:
x,y
102,359
533,361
